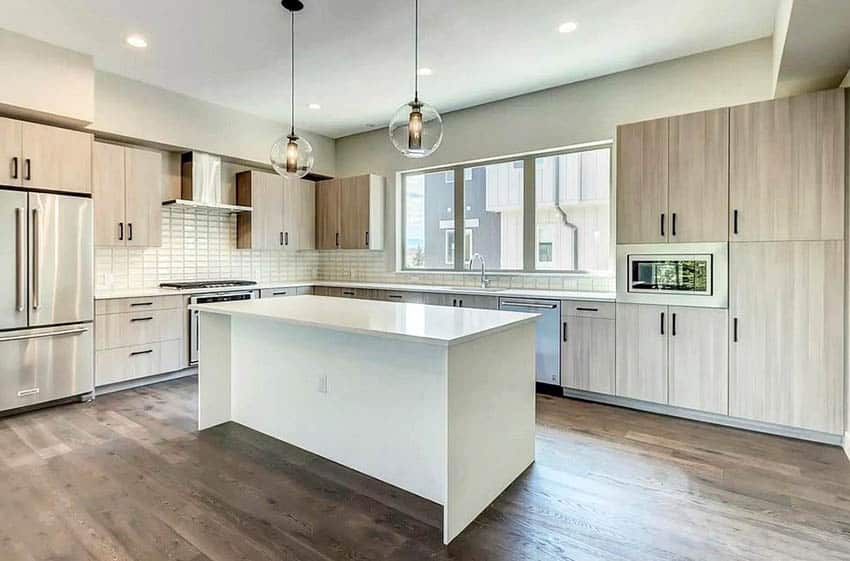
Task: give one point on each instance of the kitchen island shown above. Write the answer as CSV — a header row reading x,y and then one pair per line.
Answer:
x,y
435,400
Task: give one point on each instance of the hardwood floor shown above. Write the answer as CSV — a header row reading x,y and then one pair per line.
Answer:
x,y
128,477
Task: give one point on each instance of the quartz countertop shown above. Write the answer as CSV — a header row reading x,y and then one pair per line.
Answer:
x,y
440,325
106,294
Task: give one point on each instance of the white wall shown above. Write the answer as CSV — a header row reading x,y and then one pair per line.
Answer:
x,y
572,114
134,110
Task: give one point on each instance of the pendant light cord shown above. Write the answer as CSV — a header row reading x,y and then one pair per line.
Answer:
x,y
416,54
292,70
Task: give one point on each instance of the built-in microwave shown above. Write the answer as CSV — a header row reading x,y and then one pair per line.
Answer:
x,y
675,274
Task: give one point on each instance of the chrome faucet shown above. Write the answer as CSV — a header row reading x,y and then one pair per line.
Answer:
x,y
485,282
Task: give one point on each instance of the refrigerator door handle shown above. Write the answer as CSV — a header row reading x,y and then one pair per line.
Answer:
x,y
46,334
20,255
35,258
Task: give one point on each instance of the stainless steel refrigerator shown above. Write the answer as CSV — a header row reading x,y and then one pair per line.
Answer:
x,y
46,297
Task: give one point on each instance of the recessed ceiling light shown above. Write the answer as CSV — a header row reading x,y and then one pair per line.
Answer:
x,y
425,72
567,27
314,106
136,40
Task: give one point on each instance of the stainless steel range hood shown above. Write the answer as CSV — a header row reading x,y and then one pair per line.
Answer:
x,y
200,186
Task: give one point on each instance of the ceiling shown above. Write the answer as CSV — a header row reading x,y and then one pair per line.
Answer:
x,y
355,57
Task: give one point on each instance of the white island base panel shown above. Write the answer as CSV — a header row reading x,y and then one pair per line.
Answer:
x,y
451,423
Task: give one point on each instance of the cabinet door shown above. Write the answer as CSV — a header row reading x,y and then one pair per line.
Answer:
x,y
57,159
11,165
641,371
435,299
787,168
143,186
787,352
354,212
699,177
588,354
299,214
327,214
271,206
642,182
699,347
110,225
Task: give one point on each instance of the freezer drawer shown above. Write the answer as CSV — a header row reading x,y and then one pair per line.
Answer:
x,y
45,364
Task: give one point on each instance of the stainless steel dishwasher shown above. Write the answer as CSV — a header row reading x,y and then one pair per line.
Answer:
x,y
547,336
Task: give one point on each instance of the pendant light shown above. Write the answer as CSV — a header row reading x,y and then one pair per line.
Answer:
x,y
292,156
416,129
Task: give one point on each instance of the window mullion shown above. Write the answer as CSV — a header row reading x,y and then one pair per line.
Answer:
x,y
459,218
529,220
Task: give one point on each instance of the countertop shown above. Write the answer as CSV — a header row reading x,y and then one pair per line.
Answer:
x,y
441,325
509,292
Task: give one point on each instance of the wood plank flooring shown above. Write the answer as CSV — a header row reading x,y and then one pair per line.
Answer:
x,y
129,478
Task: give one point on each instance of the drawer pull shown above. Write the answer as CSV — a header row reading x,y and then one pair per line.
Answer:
x,y
587,309
25,393
394,296
134,304
136,353
284,293
347,293
148,318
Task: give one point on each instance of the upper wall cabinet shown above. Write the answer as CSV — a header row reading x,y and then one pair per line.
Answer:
x,y
672,179
787,169
350,213
642,182
44,157
283,215
126,189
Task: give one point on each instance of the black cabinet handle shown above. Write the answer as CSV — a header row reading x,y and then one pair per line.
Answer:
x,y
662,224
734,330
347,293
565,332
735,221
15,167
141,352
460,303
674,325
662,323
674,224
120,230
394,296
134,304
141,319
281,239
284,293
454,302
286,238
337,239
129,231
579,309
27,169
367,239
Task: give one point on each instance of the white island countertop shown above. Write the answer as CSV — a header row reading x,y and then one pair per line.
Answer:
x,y
438,325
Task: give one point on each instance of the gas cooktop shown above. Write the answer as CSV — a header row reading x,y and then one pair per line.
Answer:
x,y
206,284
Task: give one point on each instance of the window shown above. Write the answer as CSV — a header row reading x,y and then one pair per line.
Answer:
x,y
570,207
572,212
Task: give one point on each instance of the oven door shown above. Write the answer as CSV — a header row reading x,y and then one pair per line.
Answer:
x,y
194,315
674,274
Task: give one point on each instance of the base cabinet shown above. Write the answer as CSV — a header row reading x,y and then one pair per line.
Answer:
x,y
587,354
698,359
787,322
641,365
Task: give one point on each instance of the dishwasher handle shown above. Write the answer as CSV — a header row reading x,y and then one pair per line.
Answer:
x,y
521,304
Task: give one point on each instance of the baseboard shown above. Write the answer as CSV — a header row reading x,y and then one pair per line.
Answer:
x,y
713,418
846,444
139,382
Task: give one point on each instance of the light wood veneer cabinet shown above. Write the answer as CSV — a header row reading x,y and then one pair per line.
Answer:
x,y
283,212
672,179
350,213
45,157
787,168
587,346
299,214
673,355
787,321
127,195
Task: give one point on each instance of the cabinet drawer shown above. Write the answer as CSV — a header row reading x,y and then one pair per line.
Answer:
x,y
588,309
138,328
126,363
359,293
123,305
304,290
277,292
401,296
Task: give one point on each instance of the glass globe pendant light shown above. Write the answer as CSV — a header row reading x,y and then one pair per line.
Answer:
x,y
416,129
292,156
